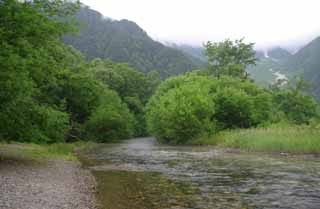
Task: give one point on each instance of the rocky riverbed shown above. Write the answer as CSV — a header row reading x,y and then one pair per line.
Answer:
x,y
45,184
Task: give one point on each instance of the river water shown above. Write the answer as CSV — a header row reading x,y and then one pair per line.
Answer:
x,y
141,174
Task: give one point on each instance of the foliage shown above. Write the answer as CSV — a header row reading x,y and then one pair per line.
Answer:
x,y
111,120
125,42
229,58
31,60
133,87
298,107
82,94
181,114
233,108
185,107
47,93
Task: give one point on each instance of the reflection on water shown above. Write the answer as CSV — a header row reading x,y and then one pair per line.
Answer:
x,y
139,173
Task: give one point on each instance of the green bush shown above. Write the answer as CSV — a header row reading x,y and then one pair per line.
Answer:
x,y
233,108
53,124
133,87
28,122
297,107
190,106
111,120
181,114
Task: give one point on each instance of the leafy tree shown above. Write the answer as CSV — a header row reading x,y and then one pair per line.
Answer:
x,y
32,57
181,114
229,58
153,81
82,94
133,87
233,108
292,101
48,91
298,107
111,120
185,107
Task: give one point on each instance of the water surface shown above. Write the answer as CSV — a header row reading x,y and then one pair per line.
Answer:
x,y
141,174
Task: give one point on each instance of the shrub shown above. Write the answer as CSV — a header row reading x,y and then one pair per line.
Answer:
x,y
111,120
53,125
297,107
181,114
233,108
25,121
189,106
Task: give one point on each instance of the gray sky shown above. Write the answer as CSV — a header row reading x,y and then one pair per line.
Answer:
x,y
265,22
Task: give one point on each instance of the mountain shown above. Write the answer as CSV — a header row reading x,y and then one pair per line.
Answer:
x,y
125,41
270,66
279,54
260,54
306,62
195,51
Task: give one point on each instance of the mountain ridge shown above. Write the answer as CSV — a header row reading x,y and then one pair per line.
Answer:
x,y
124,41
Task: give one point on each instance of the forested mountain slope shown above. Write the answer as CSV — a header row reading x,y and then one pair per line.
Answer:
x,y
195,51
125,41
306,62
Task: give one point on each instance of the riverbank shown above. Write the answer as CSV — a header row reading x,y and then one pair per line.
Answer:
x,y
44,176
293,139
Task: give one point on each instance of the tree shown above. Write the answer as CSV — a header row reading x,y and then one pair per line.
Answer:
x,y
31,59
111,120
133,87
229,58
47,89
291,100
192,105
181,114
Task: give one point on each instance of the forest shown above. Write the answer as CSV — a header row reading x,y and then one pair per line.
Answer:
x,y
96,114
51,93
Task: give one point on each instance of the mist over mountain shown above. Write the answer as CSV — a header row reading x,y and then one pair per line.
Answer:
x,y
125,41
279,53
306,62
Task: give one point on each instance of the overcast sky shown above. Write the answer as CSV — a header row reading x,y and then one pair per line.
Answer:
x,y
265,22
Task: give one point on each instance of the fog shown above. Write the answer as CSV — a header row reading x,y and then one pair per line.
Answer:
x,y
286,23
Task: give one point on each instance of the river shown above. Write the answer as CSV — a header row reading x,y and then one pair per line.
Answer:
x,y
142,174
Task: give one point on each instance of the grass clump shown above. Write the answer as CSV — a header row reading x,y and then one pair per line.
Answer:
x,y
44,151
293,139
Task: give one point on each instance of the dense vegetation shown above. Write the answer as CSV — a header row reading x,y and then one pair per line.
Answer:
x,y
49,93
125,41
133,87
201,104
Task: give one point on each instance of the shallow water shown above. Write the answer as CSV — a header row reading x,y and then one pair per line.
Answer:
x,y
140,173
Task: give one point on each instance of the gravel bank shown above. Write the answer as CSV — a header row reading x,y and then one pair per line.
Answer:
x,y
52,184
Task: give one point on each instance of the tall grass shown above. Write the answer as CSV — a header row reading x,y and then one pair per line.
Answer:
x,y
295,139
36,151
